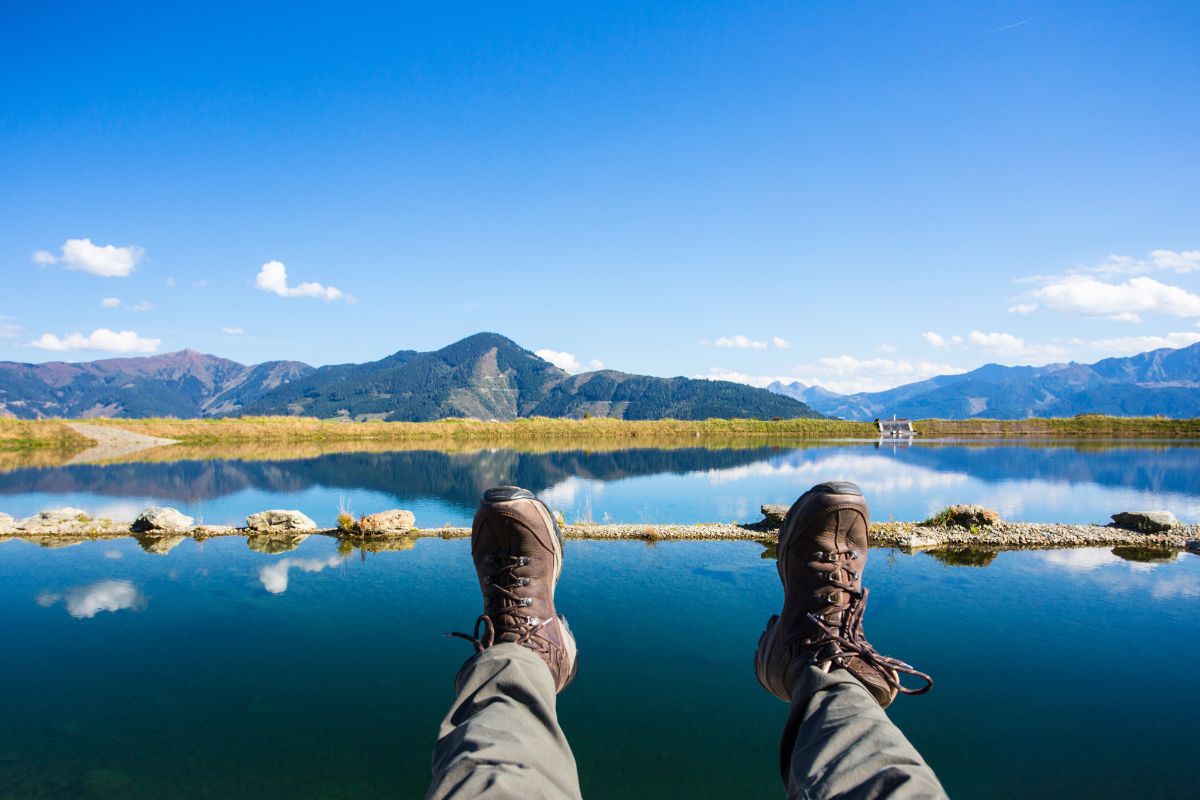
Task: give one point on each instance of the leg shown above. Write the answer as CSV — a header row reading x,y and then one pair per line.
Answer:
x,y
501,738
839,743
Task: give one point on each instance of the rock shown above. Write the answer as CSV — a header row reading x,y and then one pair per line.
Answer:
x,y
773,515
159,544
395,520
275,543
965,517
158,518
914,542
1145,521
6,522
277,520
1194,545
55,518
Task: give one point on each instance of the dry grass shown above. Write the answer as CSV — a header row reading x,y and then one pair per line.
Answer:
x,y
52,434
267,429
1082,426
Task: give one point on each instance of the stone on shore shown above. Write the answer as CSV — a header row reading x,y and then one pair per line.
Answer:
x,y
160,518
915,542
65,519
279,520
1194,545
965,517
1145,521
773,515
6,522
392,521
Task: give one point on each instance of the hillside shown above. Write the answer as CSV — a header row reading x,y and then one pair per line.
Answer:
x,y
1157,383
182,384
485,376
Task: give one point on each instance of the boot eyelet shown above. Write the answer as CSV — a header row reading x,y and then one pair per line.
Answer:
x,y
525,581
526,602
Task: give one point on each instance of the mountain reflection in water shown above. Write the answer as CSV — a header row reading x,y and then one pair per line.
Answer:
x,y
1047,482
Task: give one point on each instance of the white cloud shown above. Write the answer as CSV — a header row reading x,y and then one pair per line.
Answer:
x,y
1005,344
721,374
232,331
108,260
200,284
1124,302
85,602
1024,309
1128,345
780,342
111,302
272,277
1169,260
274,577
8,331
739,341
1185,261
941,342
886,348
844,374
560,359
142,306
595,364
101,339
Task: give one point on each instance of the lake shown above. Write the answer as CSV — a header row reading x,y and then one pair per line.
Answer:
x,y
218,672
214,671
1038,482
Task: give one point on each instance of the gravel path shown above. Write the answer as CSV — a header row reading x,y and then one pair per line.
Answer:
x,y
112,442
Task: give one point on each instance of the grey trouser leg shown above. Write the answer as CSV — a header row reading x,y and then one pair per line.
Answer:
x,y
838,743
501,738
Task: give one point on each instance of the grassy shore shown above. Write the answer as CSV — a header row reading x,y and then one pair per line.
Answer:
x,y
55,435
18,435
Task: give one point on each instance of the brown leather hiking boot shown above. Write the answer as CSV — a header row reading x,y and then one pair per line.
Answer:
x,y
518,554
822,552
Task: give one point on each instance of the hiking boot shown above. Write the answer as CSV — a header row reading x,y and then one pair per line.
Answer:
x,y
518,553
821,555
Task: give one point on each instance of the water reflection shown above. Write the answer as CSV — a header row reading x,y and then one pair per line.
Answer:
x,y
1057,482
274,577
85,602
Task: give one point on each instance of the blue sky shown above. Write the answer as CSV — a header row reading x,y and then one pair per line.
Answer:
x,y
890,190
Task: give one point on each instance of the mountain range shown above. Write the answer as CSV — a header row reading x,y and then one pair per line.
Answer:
x,y
485,376
1157,383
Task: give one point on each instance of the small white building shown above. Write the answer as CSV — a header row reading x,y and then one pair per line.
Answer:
x,y
895,427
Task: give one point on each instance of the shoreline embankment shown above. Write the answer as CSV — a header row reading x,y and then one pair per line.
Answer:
x,y
909,536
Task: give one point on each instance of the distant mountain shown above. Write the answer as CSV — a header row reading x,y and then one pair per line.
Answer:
x,y
182,384
487,376
1161,382
484,376
805,394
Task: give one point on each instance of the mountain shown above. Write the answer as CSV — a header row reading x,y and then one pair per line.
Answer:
x,y
1161,382
487,376
182,384
805,394
484,376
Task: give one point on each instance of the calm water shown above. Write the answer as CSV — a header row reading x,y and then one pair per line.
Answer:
x,y
217,672
1070,482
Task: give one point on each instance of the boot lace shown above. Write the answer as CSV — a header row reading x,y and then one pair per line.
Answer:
x,y
835,643
514,627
